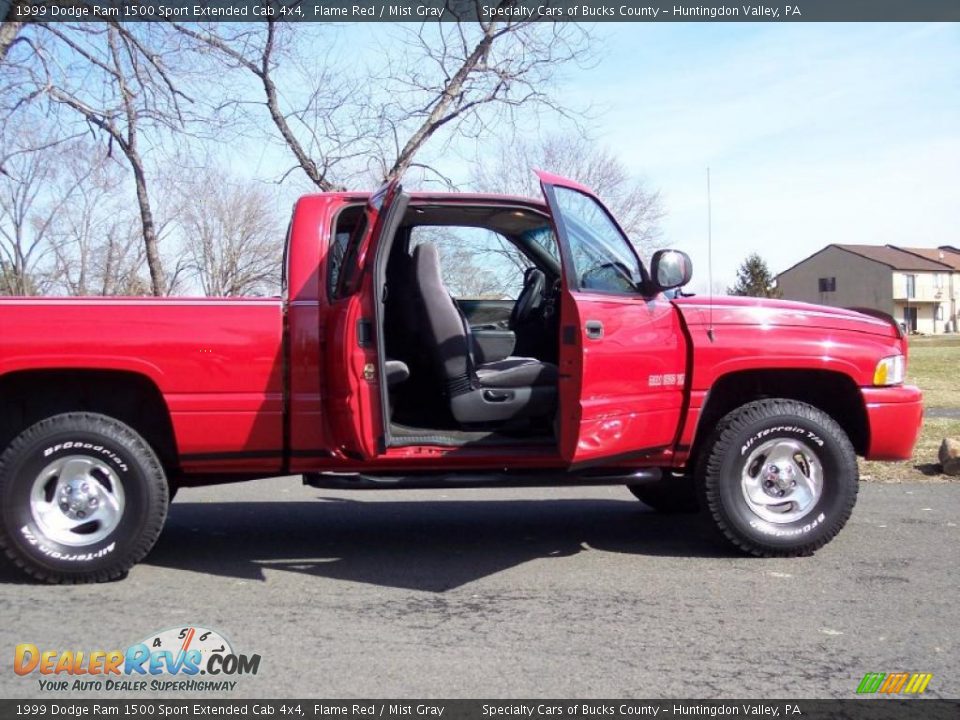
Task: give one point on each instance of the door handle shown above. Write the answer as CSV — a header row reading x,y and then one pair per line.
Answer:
x,y
594,329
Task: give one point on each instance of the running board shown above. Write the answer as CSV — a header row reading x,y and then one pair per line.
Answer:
x,y
518,478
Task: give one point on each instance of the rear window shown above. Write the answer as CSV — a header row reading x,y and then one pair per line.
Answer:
x,y
475,263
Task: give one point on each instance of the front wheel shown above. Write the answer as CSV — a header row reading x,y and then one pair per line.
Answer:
x,y
82,499
779,478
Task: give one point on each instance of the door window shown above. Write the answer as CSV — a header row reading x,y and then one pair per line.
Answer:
x,y
603,259
475,263
349,228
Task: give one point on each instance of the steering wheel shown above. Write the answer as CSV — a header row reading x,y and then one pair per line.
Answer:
x,y
531,297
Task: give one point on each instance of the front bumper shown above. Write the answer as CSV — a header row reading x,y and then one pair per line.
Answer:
x,y
894,418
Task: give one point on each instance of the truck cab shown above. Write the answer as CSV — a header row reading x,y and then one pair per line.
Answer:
x,y
473,331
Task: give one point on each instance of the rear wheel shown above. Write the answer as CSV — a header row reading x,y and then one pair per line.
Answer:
x,y
779,478
82,499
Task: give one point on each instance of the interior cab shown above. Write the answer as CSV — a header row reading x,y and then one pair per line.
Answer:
x,y
497,322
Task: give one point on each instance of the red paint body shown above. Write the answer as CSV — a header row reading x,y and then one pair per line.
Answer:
x,y
271,386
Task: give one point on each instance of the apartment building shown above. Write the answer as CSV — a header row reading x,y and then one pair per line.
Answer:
x,y
920,287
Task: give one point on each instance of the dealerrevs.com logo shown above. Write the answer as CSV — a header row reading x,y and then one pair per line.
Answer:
x,y
188,659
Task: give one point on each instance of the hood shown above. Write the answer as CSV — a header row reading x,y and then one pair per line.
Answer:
x,y
729,310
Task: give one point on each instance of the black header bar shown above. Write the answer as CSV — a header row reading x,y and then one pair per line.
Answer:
x,y
454,10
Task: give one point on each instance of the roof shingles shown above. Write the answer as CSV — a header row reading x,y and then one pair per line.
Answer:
x,y
898,259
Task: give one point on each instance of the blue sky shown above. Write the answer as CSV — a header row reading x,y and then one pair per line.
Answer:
x,y
815,133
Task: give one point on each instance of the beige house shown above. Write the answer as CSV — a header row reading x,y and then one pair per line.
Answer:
x,y
920,287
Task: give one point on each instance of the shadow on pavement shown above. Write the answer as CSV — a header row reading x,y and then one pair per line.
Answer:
x,y
422,545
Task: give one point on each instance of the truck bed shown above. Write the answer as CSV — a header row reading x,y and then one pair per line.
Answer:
x,y
218,363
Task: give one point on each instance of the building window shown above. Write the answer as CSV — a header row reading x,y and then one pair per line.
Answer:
x,y
939,312
911,286
938,281
827,284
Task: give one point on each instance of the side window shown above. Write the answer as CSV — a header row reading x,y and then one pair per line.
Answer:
x,y
349,227
546,239
476,263
603,258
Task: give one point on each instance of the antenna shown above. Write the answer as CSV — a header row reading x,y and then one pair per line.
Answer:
x,y
709,256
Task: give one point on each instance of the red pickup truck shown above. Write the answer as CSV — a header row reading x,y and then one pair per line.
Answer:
x,y
443,340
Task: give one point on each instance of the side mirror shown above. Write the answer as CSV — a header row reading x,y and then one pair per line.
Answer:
x,y
670,269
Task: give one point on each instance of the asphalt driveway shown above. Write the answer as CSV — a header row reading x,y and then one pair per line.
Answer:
x,y
579,592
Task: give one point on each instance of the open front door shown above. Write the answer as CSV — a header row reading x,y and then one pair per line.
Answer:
x,y
353,382
622,350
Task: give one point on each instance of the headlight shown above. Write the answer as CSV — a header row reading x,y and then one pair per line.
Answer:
x,y
890,370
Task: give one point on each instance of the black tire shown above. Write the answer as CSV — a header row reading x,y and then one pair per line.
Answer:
x,y
114,455
673,496
742,435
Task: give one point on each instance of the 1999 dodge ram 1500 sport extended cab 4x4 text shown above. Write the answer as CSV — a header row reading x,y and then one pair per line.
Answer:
x,y
368,373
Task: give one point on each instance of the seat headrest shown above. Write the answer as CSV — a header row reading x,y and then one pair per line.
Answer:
x,y
426,263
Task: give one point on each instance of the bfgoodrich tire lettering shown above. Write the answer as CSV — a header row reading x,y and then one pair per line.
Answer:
x,y
779,478
82,499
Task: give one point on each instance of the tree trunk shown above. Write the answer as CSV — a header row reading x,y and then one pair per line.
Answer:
x,y
438,116
157,282
10,27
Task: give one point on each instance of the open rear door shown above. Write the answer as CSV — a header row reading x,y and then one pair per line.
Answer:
x,y
622,350
353,382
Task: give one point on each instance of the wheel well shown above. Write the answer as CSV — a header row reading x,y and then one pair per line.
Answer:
x,y
834,393
30,396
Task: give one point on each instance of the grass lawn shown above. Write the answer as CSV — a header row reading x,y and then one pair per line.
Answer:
x,y
934,365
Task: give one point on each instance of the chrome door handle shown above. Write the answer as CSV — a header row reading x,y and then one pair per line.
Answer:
x,y
594,329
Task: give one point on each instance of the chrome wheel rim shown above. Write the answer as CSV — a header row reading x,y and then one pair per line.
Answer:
x,y
782,481
77,500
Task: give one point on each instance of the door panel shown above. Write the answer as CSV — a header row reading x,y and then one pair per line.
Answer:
x,y
354,401
621,392
622,353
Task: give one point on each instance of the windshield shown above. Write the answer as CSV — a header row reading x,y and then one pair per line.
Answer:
x,y
603,258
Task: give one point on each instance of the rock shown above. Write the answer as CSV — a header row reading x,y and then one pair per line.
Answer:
x,y
950,456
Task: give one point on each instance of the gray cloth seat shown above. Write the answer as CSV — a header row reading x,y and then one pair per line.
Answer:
x,y
396,371
516,372
478,393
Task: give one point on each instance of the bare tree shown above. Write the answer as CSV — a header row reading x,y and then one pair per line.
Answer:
x,y
509,168
324,129
232,236
10,26
32,197
449,79
117,80
97,247
467,78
